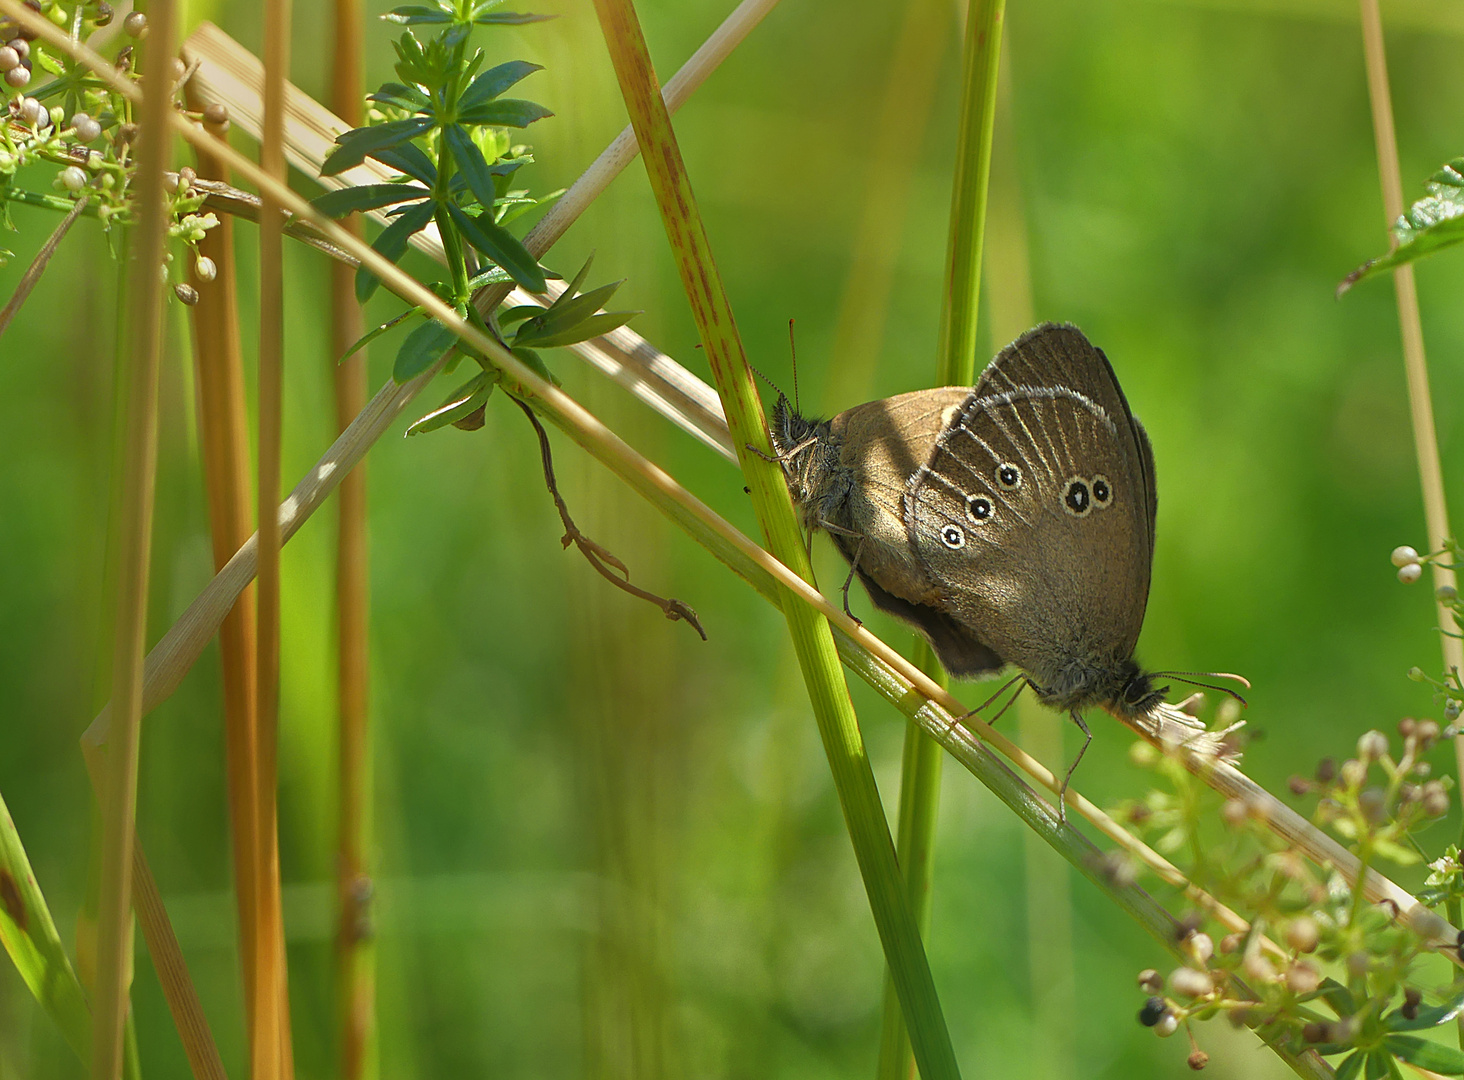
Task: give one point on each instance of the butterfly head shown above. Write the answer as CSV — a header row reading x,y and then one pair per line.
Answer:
x,y
1137,694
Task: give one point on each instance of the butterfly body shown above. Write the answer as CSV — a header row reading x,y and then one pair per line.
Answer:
x,y
1011,523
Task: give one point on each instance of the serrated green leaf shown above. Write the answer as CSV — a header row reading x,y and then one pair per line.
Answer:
x,y
505,112
422,348
494,275
392,244
493,82
355,145
1436,1057
592,327
472,164
1433,1016
501,246
366,197
29,936
1431,224
465,399
46,60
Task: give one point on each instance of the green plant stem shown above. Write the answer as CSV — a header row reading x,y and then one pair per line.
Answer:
x,y
973,173
955,366
812,640
139,462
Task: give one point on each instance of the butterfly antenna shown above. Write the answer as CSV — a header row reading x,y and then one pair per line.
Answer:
x,y
793,352
1192,678
774,386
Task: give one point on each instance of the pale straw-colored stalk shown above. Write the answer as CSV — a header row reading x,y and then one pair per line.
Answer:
x,y
1410,324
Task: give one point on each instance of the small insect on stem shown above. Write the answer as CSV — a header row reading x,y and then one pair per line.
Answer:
x,y
608,566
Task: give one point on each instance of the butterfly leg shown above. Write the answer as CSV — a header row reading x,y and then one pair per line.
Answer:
x,y
839,530
1002,689
1062,791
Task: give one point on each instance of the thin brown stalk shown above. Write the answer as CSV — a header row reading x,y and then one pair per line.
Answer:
x,y
1415,363
355,955
270,1057
223,419
139,464
38,265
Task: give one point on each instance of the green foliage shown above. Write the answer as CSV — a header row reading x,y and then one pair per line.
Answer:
x,y
1433,223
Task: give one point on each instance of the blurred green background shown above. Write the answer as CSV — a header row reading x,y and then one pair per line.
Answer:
x,y
607,849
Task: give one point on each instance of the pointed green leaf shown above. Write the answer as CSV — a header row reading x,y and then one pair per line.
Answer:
x,y
501,246
1351,1066
533,360
357,144
371,335
518,314
592,327
416,15
401,95
457,405
471,162
366,197
1431,224
505,112
29,936
1436,1057
409,159
422,348
392,244
493,82
510,18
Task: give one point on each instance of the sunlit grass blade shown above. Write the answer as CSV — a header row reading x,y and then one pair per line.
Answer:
x,y
813,643
29,935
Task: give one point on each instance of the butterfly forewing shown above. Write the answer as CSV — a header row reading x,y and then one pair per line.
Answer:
x,y
1034,515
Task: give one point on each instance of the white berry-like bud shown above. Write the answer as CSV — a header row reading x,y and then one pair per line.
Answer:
x,y
1353,773
17,77
1201,947
1410,573
1187,982
1303,979
30,111
1404,555
87,129
21,47
72,178
205,268
1372,745
135,25
1168,1024
1302,933
9,58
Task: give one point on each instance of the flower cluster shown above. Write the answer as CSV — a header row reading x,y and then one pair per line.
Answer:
x,y
73,130
1410,566
1319,967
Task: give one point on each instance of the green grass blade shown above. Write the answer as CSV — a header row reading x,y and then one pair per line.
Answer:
x,y
812,640
29,935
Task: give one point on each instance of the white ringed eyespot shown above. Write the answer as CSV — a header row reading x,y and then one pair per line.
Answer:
x,y
953,537
1009,476
1076,499
979,508
1102,491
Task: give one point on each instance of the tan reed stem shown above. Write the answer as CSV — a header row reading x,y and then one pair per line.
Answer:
x,y
224,437
1415,363
355,965
270,1057
139,465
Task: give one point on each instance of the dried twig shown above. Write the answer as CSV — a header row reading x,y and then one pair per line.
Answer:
x,y
597,555
37,267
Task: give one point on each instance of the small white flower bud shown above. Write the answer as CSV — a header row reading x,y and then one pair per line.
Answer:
x,y
1372,745
17,77
1404,556
87,129
135,25
1354,772
1201,947
1302,933
1168,1024
1303,979
30,111
1410,573
72,178
205,268
9,58
1187,982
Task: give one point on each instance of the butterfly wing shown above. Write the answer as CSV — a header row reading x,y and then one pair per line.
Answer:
x,y
1034,516
882,444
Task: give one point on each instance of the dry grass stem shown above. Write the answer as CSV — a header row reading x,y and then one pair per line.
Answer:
x,y
1415,363
141,364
